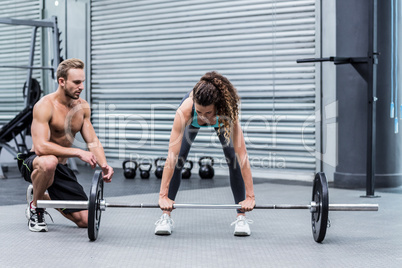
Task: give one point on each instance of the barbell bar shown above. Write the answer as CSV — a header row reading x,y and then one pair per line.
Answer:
x,y
103,205
319,206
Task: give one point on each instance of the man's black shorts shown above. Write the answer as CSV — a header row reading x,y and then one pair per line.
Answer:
x,y
65,185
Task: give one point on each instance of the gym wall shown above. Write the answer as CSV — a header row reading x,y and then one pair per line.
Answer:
x,y
142,57
147,55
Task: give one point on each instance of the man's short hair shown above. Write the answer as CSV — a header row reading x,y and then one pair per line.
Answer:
x,y
64,66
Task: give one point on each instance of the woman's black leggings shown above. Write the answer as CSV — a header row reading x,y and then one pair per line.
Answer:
x,y
236,179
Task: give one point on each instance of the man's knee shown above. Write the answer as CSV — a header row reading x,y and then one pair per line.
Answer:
x,y
46,163
82,224
80,218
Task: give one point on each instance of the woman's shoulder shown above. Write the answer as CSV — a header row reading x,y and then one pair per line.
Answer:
x,y
187,105
186,109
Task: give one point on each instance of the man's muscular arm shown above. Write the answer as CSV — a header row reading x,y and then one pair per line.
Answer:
x,y
40,131
94,145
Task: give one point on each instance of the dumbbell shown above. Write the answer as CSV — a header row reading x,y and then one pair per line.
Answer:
x,y
186,172
129,172
159,167
206,170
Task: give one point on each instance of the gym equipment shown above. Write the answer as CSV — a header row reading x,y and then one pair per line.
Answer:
x,y
186,172
45,23
318,207
206,170
20,124
159,166
145,172
319,216
94,213
129,172
367,68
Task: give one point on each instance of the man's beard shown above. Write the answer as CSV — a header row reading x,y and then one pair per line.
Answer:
x,y
71,96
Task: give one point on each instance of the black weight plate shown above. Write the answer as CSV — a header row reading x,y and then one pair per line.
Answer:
x,y
319,218
94,211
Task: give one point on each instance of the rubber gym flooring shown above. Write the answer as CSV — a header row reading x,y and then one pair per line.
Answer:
x,y
203,238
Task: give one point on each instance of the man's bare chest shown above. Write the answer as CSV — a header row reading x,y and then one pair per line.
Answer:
x,y
66,122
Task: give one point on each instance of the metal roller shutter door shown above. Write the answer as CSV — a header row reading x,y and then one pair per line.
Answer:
x,y
14,50
146,55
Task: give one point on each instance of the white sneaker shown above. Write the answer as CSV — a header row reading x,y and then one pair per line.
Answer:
x,y
164,225
242,227
29,200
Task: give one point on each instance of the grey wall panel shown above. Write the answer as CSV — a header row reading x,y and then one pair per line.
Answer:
x,y
147,54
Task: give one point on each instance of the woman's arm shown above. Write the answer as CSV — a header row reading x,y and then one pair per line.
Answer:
x,y
182,118
242,157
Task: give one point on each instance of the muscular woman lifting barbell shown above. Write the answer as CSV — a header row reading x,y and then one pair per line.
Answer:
x,y
213,102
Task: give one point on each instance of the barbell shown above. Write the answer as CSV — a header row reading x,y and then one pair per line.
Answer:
x,y
319,206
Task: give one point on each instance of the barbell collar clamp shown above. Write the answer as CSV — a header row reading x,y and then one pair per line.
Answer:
x,y
313,207
102,204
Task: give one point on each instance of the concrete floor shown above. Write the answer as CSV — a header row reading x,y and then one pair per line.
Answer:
x,y
203,238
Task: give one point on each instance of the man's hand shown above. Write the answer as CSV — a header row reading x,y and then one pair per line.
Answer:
x,y
88,157
107,172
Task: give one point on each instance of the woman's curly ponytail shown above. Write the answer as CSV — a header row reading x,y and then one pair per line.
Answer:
x,y
214,88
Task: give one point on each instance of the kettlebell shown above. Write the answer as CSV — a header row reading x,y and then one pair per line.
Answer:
x,y
186,172
144,172
206,170
159,167
129,172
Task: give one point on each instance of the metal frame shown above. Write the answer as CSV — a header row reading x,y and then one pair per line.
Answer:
x,y
367,68
46,23
318,86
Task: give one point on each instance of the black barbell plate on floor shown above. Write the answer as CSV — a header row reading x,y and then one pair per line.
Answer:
x,y
319,217
94,211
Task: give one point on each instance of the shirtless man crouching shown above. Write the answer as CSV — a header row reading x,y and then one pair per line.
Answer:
x,y
57,117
